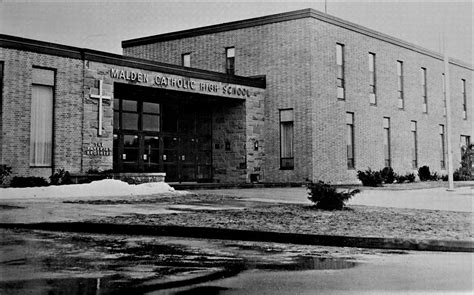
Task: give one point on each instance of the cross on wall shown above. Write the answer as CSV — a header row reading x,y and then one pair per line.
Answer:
x,y
100,97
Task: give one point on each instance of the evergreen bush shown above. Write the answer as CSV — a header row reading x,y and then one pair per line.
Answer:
x,y
28,181
388,175
370,177
326,197
60,177
424,173
5,171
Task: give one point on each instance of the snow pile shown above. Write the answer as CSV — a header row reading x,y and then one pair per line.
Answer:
x,y
102,188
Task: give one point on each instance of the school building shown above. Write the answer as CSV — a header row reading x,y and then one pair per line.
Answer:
x,y
289,97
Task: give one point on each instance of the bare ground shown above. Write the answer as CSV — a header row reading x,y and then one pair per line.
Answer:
x,y
357,221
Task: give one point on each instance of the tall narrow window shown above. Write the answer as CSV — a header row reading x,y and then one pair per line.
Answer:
x,y
41,128
401,101
186,60
1,89
340,71
372,80
424,90
465,143
350,140
286,139
444,94
230,60
442,147
414,146
386,142
464,99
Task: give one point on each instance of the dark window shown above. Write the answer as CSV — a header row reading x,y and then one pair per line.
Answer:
x,y
414,145
340,71
350,140
401,102
386,142
372,80
464,99
442,147
286,139
444,94
230,60
424,90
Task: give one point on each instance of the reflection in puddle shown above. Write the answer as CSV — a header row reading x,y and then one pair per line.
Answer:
x,y
73,286
308,263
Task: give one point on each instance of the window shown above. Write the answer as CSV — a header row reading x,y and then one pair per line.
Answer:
x,y
464,99
386,142
350,140
1,88
286,139
442,147
230,60
424,90
41,129
401,102
465,143
340,71
186,60
414,146
372,79
444,93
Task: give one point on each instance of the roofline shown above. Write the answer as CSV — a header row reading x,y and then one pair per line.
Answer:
x,y
19,43
288,16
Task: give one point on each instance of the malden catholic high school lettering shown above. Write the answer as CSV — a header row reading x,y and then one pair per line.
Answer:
x,y
179,83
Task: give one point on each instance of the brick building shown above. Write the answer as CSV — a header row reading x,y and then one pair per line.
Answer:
x,y
287,97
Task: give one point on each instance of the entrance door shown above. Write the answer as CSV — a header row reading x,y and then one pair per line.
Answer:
x,y
163,137
187,143
136,136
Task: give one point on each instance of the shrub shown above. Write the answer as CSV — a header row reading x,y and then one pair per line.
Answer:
x,y
388,175
5,171
370,177
409,177
461,174
424,173
444,177
29,181
60,177
326,197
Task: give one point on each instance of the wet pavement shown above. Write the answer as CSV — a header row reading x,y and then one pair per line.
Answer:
x,y
40,262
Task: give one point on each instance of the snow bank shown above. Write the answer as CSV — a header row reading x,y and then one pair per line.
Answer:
x,y
102,188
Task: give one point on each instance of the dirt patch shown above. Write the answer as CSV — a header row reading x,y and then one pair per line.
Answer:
x,y
359,221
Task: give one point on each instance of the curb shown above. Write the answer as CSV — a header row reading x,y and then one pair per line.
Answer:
x,y
249,235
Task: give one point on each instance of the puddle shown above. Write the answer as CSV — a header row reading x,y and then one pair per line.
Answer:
x,y
9,207
73,286
307,263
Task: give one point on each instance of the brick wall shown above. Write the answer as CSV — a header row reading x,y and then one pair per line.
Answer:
x,y
17,104
298,59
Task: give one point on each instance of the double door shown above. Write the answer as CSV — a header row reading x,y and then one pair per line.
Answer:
x,y
160,137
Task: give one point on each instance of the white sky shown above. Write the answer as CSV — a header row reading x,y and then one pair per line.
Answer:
x,y
102,25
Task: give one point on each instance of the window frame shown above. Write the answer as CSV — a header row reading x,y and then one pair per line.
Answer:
x,y
53,114
230,60
340,79
183,59
372,78
350,126
424,89
464,99
387,136
414,133
400,85
281,124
